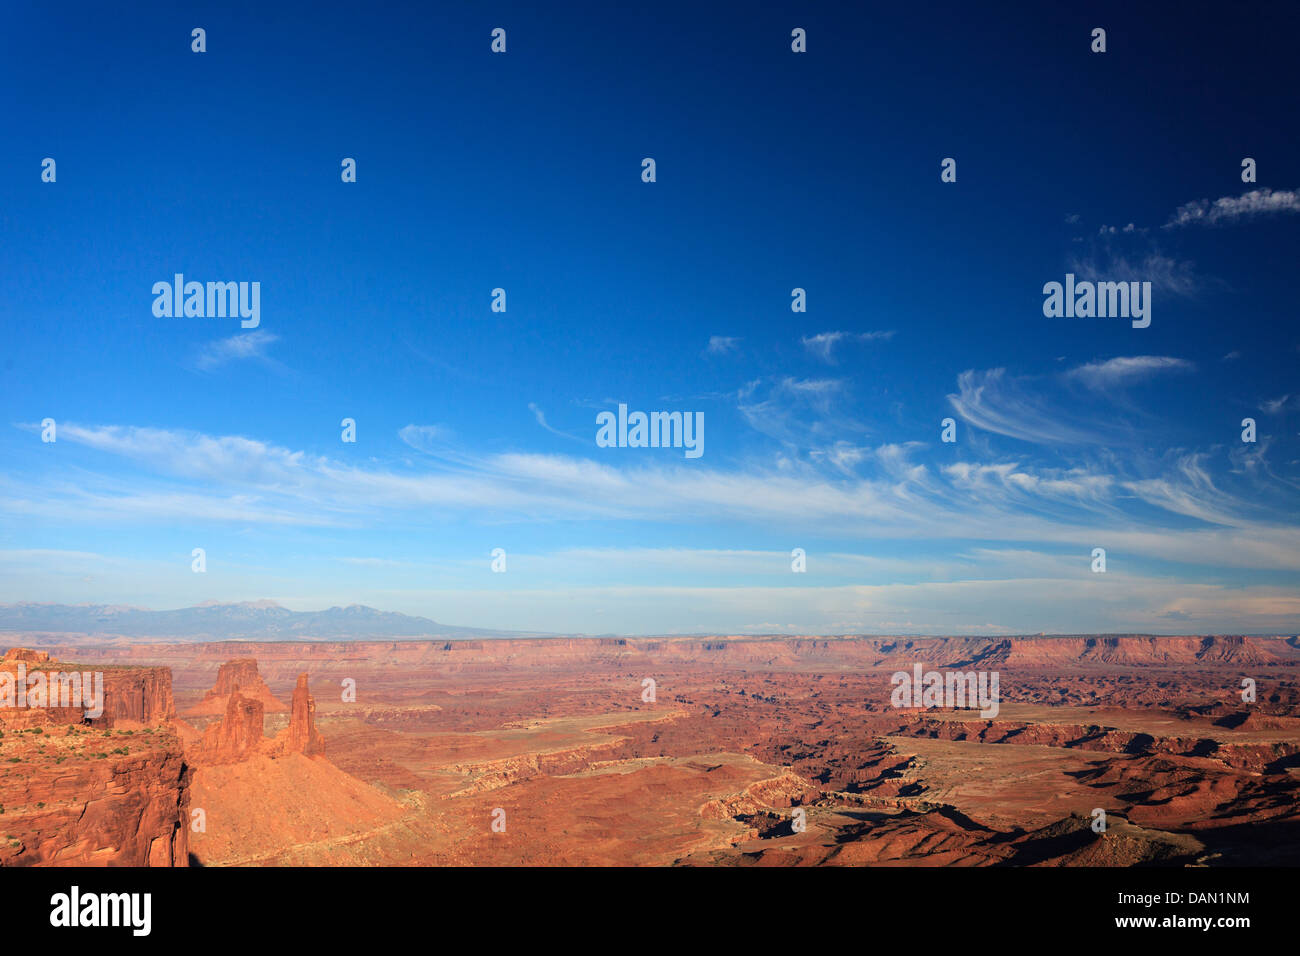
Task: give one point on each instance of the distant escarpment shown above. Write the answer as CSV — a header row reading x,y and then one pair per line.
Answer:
x,y
280,661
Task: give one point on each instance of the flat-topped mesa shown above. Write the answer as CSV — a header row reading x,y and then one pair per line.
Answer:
x,y
241,674
301,736
232,675
26,654
36,690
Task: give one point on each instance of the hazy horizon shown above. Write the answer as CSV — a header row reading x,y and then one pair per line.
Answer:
x,y
506,634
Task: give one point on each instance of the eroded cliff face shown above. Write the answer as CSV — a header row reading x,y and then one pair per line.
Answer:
x,y
237,735
132,696
142,695
111,790
92,810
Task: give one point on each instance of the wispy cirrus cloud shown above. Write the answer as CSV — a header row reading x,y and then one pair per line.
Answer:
x,y
238,348
823,344
1013,477
801,413
540,416
1126,370
1008,406
1165,273
722,344
433,440
1176,514
1283,402
1227,209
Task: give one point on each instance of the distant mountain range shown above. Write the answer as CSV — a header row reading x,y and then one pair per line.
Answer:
x,y
252,620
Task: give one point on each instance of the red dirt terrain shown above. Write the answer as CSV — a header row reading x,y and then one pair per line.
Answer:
x,y
750,752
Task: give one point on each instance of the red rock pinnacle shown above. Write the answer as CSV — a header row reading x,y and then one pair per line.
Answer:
x,y
301,734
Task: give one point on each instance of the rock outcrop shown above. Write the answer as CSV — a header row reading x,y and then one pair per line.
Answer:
x,y
27,655
133,696
237,735
115,810
142,695
111,790
241,675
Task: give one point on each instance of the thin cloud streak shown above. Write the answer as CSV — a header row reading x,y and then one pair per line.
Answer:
x,y
230,478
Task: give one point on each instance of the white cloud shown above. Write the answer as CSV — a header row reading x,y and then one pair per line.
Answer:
x,y
541,420
799,412
237,348
1164,273
823,344
722,344
1174,513
426,438
1126,369
997,403
1257,202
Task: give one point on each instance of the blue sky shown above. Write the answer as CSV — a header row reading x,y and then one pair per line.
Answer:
x,y
476,429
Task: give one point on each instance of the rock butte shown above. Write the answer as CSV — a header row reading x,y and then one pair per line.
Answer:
x,y
743,731
235,675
